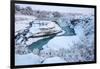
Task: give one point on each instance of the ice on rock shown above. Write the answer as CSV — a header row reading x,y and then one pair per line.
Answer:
x,y
29,34
61,33
30,41
27,59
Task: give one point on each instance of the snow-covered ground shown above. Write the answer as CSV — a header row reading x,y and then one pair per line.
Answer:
x,y
54,60
27,59
66,42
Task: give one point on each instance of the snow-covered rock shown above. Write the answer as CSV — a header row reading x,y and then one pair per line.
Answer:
x,y
44,27
61,33
32,40
28,59
21,49
34,30
20,26
54,60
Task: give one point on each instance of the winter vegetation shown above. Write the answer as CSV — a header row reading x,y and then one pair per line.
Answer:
x,y
44,37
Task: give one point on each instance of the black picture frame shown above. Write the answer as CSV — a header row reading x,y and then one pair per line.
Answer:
x,y
12,30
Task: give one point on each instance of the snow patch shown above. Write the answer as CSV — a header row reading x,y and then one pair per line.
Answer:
x,y
66,42
27,59
54,60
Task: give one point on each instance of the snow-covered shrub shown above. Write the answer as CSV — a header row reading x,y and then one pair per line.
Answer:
x,y
84,27
21,50
80,53
62,52
36,51
46,53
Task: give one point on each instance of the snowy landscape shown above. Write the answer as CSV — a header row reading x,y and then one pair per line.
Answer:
x,y
51,34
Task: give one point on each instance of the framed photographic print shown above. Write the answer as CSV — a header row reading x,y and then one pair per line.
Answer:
x,y
50,34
